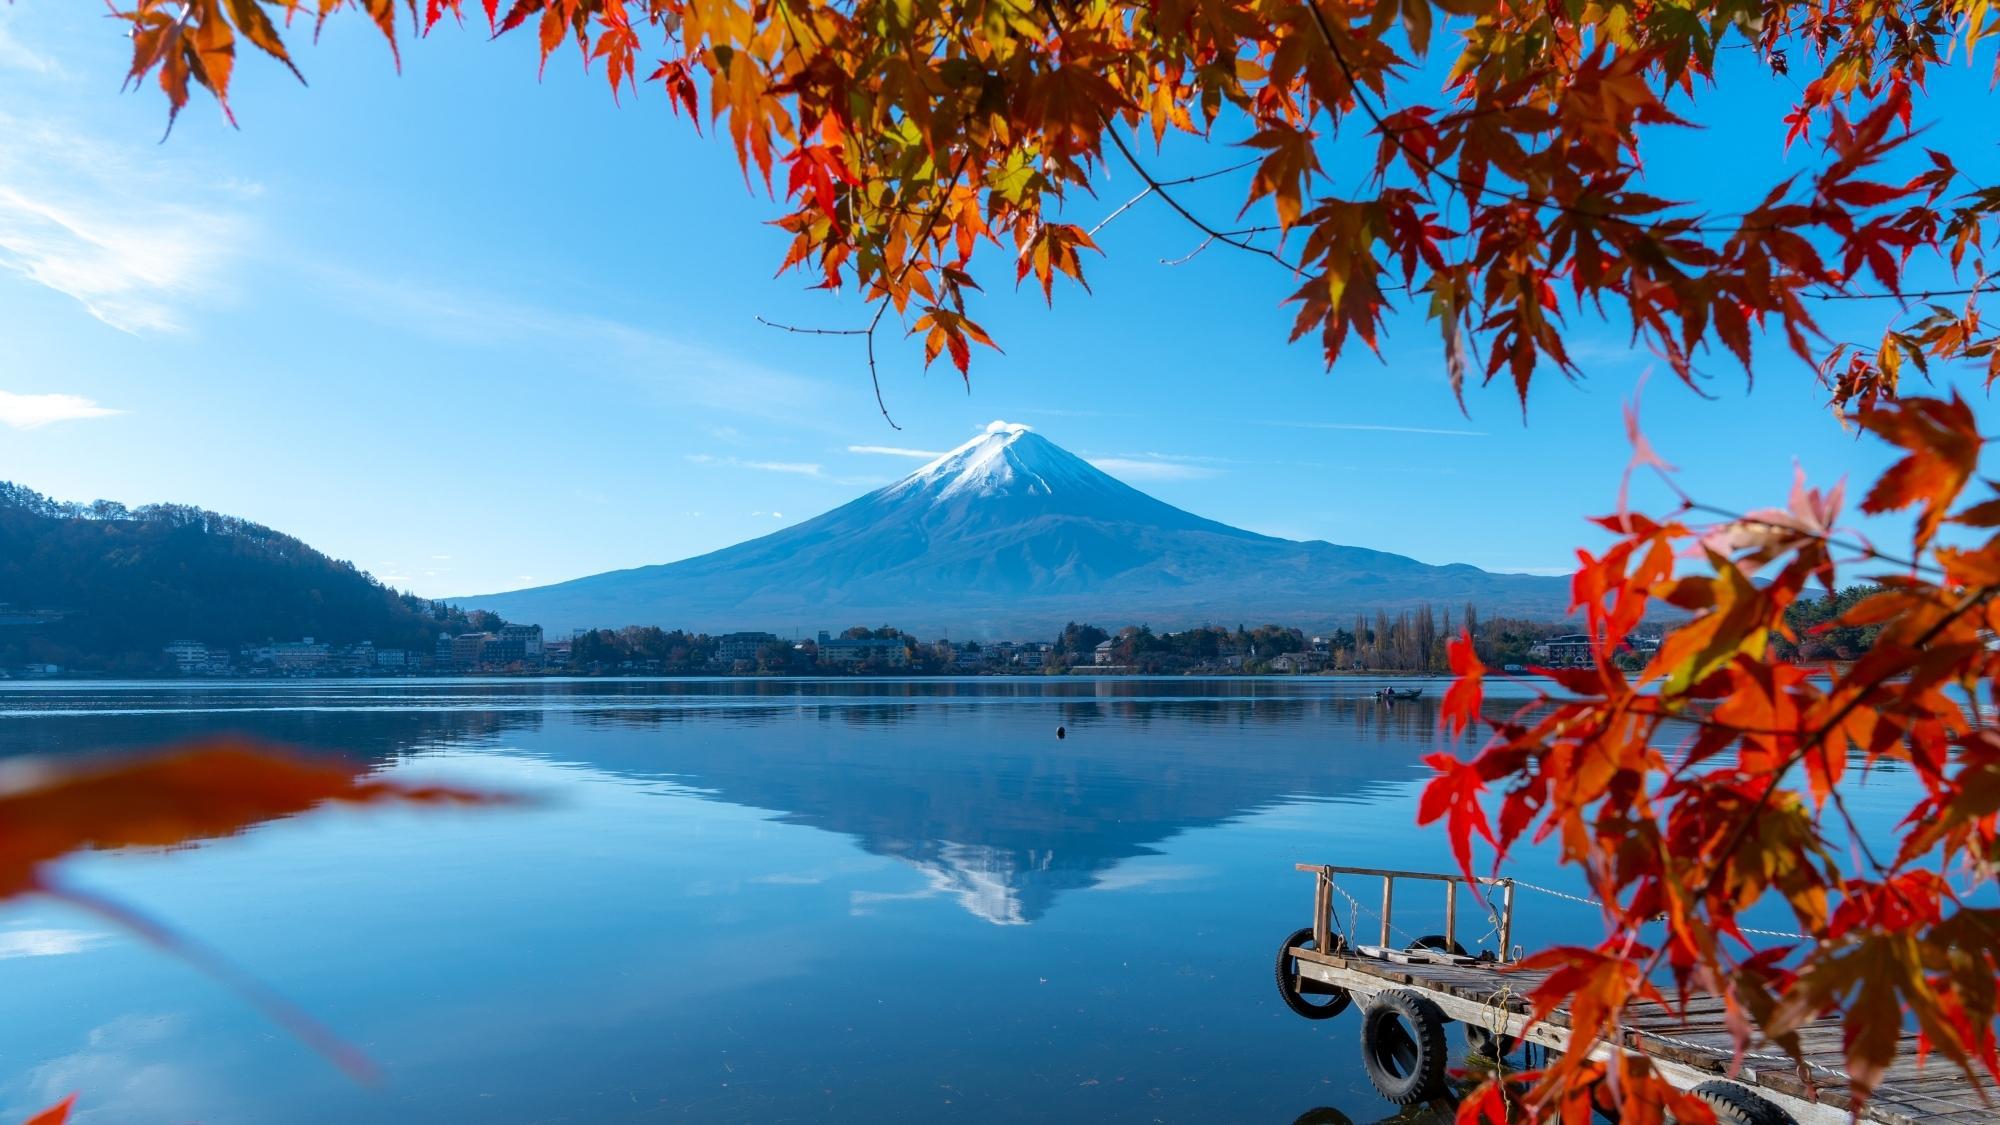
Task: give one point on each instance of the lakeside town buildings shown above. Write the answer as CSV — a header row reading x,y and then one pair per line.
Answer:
x,y
524,649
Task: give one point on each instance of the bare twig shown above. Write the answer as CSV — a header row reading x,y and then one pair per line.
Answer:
x,y
812,331
1923,295
1158,187
1190,255
1151,188
882,307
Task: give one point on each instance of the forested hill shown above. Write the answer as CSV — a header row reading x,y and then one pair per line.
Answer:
x,y
126,581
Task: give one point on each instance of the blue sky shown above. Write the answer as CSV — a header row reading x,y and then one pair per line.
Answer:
x,y
474,332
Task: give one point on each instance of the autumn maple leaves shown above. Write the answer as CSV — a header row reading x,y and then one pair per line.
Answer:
x,y
52,809
907,134
1716,779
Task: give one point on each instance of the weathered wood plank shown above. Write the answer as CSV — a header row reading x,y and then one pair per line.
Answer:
x,y
1692,1045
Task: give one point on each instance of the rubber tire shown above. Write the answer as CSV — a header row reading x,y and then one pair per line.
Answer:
x,y
1298,1004
1436,944
1383,1031
1737,1105
1482,1042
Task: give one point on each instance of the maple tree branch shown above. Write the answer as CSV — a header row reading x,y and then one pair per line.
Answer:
x,y
1151,189
1184,259
1395,136
1922,295
1122,208
1863,547
882,307
812,331
1158,187
1855,837
1972,600
873,378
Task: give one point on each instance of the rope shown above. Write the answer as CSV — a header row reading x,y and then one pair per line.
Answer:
x,y
1558,894
1775,933
1360,910
1498,1008
1594,902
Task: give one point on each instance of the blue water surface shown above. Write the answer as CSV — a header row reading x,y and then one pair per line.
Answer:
x,y
743,900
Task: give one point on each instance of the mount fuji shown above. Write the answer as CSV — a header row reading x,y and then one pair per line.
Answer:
x,y
1010,535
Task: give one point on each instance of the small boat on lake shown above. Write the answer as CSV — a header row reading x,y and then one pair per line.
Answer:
x,y
1389,693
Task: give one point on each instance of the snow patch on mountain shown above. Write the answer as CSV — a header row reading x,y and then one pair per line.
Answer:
x,y
1006,459
1010,535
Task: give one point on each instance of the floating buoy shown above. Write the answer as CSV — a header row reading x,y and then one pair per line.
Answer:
x,y
1061,733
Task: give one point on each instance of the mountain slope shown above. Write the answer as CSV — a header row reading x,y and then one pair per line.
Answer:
x,y
1011,535
128,581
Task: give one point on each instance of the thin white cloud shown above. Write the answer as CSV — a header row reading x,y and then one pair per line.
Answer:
x,y
16,55
795,468
1131,878
1151,468
897,451
791,879
28,412
1054,413
135,241
48,943
677,373
128,1078
1368,427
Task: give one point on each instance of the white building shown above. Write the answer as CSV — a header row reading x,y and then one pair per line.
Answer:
x,y
189,657
845,652
530,637
305,655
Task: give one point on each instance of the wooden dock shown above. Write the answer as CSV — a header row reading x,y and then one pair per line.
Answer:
x,y
1693,1050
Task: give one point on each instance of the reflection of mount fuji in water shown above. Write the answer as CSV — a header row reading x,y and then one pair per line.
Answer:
x,y
964,781
999,814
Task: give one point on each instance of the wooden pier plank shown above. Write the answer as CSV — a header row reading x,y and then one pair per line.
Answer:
x,y
1698,1039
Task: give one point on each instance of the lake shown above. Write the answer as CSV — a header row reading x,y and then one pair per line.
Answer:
x,y
743,900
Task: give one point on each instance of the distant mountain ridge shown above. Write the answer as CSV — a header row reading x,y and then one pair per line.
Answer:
x,y
1010,535
127,581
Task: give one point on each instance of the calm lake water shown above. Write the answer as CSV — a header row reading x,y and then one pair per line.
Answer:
x,y
743,901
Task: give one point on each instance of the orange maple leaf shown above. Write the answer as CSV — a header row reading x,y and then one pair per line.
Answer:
x,y
1943,443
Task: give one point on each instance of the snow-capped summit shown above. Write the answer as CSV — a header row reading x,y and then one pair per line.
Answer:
x,y
1011,535
1007,458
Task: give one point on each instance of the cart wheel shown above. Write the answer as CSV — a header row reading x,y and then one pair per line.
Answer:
x,y
1436,944
1402,1046
1309,998
1736,1105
